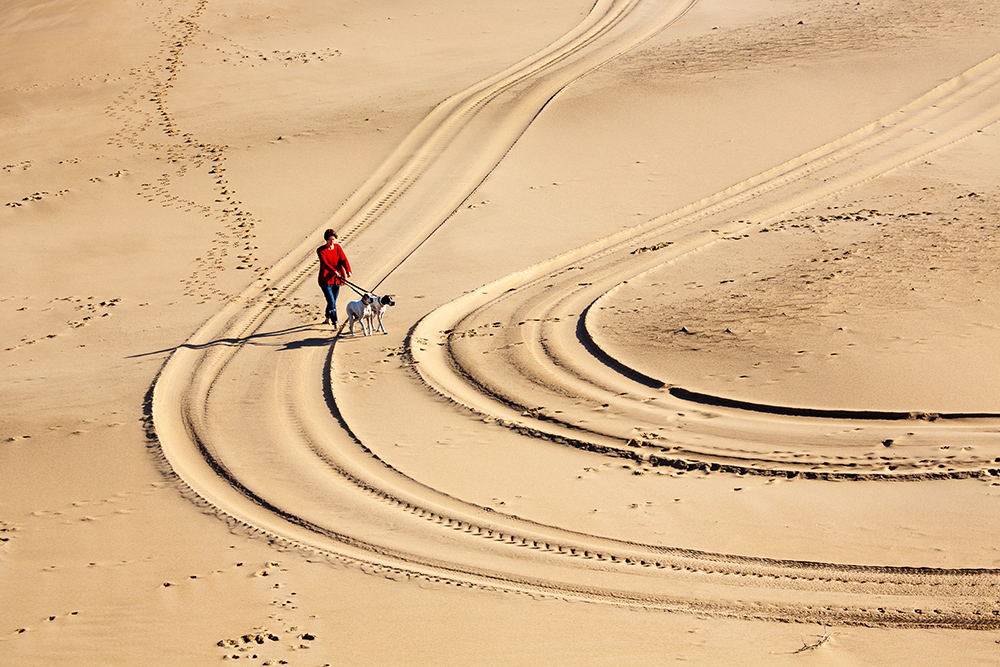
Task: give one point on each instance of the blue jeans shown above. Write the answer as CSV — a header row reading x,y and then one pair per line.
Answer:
x,y
331,292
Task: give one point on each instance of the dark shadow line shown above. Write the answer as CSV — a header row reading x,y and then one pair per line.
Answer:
x,y
874,415
225,341
583,335
595,350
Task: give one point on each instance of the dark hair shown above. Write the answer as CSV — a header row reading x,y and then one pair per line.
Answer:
x,y
328,233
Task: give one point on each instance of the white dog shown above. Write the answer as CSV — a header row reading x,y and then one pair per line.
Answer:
x,y
362,312
368,311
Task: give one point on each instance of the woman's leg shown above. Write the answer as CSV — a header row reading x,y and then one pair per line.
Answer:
x,y
331,302
334,293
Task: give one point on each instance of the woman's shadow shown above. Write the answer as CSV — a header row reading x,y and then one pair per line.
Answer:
x,y
266,338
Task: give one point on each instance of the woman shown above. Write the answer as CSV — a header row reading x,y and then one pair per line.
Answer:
x,y
334,269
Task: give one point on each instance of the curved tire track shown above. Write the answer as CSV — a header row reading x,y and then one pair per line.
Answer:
x,y
300,475
547,355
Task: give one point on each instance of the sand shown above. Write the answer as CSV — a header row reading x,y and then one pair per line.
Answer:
x,y
693,357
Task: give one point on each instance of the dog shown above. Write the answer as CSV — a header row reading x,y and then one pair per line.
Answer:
x,y
378,310
368,311
362,311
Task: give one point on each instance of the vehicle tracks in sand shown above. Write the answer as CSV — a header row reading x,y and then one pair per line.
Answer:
x,y
544,354
248,434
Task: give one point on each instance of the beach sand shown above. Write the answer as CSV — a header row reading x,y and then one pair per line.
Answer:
x,y
693,357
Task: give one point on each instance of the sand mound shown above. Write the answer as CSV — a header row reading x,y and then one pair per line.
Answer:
x,y
882,302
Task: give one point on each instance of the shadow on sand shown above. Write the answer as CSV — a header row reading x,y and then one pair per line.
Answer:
x,y
270,338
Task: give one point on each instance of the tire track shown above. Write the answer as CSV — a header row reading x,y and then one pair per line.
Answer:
x,y
299,476
547,357
406,528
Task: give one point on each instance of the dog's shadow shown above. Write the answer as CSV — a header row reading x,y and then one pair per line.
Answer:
x,y
345,336
307,342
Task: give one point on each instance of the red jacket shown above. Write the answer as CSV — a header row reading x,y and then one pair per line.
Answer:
x,y
333,265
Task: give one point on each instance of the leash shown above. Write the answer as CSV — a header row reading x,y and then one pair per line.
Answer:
x,y
360,291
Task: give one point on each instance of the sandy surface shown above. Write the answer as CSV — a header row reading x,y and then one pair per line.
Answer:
x,y
693,357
